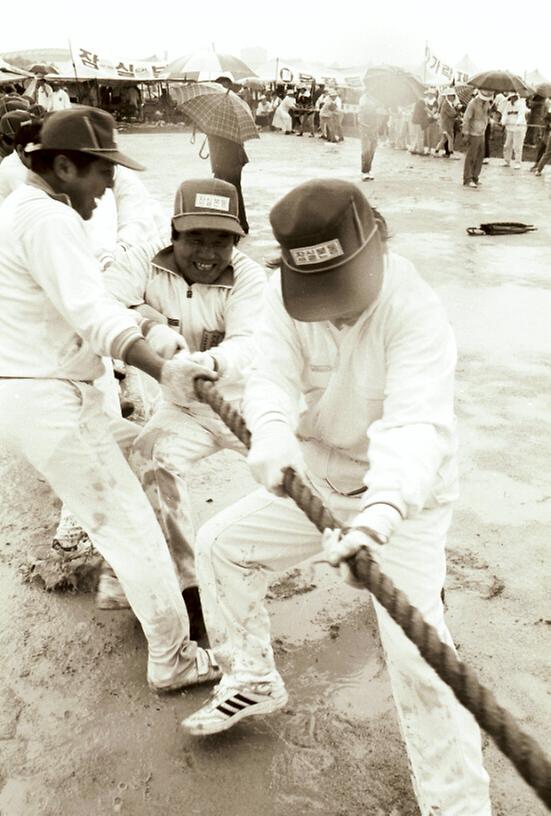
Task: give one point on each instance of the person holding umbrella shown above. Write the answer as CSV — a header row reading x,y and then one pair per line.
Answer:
x,y
475,121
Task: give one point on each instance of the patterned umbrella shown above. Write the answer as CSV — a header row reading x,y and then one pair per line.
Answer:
x,y
392,86
500,81
208,65
464,92
218,112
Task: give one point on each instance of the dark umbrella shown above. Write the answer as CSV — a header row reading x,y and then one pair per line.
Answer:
x,y
392,86
543,89
218,112
43,68
500,81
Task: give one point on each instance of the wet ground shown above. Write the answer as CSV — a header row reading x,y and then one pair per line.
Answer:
x,y
80,734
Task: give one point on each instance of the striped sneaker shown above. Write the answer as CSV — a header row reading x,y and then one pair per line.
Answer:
x,y
230,704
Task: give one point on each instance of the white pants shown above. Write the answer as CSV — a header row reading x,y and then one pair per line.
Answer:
x,y
514,141
163,456
60,427
236,551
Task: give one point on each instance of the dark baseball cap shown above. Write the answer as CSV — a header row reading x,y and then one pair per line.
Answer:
x,y
207,204
85,130
332,256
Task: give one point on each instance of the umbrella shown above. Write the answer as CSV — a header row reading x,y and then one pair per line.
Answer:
x,y
208,65
392,86
464,92
253,83
218,112
544,89
500,81
43,68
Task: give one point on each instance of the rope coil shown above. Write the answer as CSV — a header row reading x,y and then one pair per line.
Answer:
x,y
522,750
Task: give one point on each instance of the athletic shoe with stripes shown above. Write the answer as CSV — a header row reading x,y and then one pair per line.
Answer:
x,y
230,704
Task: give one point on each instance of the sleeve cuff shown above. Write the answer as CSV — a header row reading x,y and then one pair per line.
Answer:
x,y
382,518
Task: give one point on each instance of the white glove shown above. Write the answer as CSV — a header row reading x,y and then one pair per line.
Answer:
x,y
164,341
338,547
178,374
205,359
273,449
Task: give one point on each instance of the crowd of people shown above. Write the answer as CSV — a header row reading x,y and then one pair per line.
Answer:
x,y
92,272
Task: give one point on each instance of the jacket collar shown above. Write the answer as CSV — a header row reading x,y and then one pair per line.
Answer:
x,y
164,261
41,184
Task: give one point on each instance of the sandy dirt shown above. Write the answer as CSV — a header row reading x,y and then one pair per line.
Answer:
x,y
81,735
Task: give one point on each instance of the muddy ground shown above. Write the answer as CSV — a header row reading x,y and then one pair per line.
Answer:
x,y
81,735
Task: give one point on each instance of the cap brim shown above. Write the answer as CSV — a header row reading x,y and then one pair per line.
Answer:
x,y
114,156
194,221
352,287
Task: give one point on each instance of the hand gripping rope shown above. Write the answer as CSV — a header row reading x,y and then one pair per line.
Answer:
x,y
524,752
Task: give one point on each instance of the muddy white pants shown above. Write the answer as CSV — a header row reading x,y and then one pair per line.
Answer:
x,y
237,551
514,141
163,456
60,428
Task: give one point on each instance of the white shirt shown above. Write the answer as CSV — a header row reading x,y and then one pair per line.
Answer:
x,y
219,317
378,394
57,317
12,174
60,100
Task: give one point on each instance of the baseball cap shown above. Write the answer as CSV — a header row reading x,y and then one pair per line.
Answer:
x,y
206,204
13,102
11,122
332,259
85,130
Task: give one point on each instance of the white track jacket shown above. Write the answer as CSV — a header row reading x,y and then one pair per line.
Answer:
x,y
57,317
378,394
219,317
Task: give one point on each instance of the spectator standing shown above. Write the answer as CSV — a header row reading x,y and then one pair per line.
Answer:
x,y
227,160
449,106
514,121
419,121
368,122
432,130
474,126
60,99
282,117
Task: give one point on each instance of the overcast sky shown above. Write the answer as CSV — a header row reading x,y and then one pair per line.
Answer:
x,y
350,32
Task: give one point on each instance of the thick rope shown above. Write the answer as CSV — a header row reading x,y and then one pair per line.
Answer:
x,y
522,750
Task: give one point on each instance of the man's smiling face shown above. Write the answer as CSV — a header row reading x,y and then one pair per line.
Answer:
x,y
201,255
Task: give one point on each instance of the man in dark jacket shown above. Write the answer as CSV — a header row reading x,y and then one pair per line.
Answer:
x,y
227,160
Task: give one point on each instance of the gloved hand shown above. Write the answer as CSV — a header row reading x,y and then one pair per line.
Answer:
x,y
165,341
206,359
339,546
274,448
177,376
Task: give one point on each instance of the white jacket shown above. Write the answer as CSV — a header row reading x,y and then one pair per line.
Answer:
x,y
12,174
57,317
379,394
220,316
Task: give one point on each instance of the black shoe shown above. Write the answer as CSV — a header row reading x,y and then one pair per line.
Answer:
x,y
127,408
197,628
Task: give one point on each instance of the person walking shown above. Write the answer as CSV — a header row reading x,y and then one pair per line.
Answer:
x,y
367,120
475,121
353,388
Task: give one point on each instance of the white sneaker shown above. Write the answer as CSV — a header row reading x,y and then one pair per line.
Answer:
x,y
205,669
505,163
485,161
110,594
230,704
367,177
518,165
